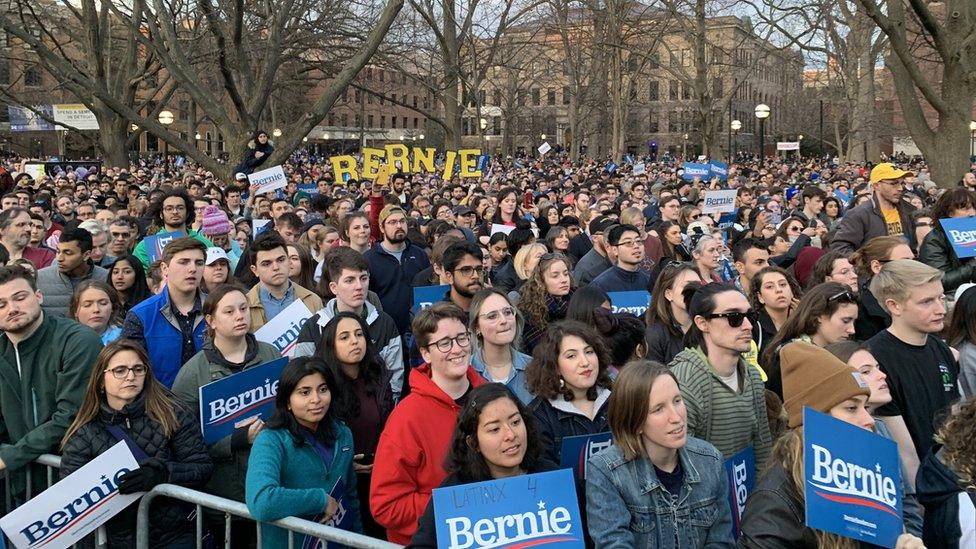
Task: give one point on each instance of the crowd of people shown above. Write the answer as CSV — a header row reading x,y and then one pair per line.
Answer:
x,y
829,286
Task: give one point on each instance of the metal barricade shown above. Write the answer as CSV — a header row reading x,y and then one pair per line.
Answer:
x,y
231,508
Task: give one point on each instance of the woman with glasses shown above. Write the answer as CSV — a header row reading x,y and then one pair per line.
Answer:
x,y
689,214
128,278
96,304
228,348
545,297
792,236
569,374
868,261
124,402
417,434
825,314
834,267
935,250
497,328
774,294
724,394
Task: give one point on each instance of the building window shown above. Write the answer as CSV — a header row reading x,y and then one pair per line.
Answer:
x,y
369,99
496,125
4,72
673,124
32,76
673,90
535,98
498,97
686,92
416,123
383,120
654,126
184,110
717,88
344,117
332,119
393,121
550,97
654,91
382,75
369,118
359,96
566,95
415,101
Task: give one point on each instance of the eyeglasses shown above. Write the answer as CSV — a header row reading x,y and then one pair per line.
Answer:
x,y
846,295
795,229
122,372
468,270
924,224
174,209
628,243
735,318
122,236
507,312
445,345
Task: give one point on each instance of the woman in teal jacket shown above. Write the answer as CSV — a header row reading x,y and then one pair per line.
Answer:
x,y
301,462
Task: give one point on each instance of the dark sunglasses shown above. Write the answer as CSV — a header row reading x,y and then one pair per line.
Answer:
x,y
846,295
735,318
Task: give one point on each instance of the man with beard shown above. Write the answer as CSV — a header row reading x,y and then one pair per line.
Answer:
x,y
45,362
172,213
464,270
15,234
393,263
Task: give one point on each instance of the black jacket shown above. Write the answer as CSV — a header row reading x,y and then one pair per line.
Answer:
x,y
775,516
426,535
555,424
506,279
184,454
937,488
936,251
251,163
871,317
865,222
662,344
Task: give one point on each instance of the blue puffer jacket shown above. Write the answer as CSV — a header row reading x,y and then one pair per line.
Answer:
x,y
627,506
152,323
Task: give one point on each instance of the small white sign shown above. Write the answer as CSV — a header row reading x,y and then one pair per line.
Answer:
x,y
260,225
282,330
499,228
640,169
65,513
545,147
269,180
719,201
788,146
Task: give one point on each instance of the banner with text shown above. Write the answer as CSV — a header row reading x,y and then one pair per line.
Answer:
x,y
282,330
962,235
268,180
65,513
719,201
695,169
741,471
719,170
577,451
852,480
229,402
425,296
521,511
635,303
157,242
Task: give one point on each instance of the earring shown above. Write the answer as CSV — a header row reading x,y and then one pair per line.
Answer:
x,y
562,384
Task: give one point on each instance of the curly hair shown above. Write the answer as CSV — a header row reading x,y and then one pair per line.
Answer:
x,y
542,375
464,457
533,302
956,437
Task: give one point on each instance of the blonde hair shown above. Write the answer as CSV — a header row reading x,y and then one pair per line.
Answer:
x,y
629,403
897,278
523,255
629,214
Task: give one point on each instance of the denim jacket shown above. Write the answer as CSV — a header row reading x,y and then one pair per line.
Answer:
x,y
627,506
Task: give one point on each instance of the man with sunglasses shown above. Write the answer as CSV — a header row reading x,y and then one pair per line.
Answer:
x,y
724,395
627,245
886,214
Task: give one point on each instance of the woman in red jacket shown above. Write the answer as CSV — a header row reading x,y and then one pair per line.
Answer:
x,y
418,433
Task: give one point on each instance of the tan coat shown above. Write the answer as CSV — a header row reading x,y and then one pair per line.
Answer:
x,y
308,297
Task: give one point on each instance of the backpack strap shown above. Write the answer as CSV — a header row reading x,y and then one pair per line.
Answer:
x,y
120,435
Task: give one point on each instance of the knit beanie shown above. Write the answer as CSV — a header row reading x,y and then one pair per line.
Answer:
x,y
215,221
814,377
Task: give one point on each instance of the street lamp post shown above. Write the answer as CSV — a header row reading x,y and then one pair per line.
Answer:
x,y
483,123
684,146
799,147
166,118
972,138
735,126
762,113
276,132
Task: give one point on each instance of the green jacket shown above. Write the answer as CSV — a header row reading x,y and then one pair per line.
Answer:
x,y
729,421
230,460
38,403
140,250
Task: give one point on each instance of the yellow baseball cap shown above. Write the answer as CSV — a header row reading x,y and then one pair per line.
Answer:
x,y
886,171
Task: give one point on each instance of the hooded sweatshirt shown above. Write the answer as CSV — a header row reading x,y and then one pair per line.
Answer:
x,y
950,511
413,446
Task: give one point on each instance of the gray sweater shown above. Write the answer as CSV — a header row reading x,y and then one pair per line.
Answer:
x,y
57,288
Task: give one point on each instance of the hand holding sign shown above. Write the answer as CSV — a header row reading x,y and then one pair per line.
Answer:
x,y
268,180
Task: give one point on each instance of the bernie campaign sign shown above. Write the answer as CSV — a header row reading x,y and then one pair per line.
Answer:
x,y
516,512
156,243
267,180
576,451
65,513
741,472
718,169
635,303
694,169
852,483
230,401
282,330
719,201
962,235
425,296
